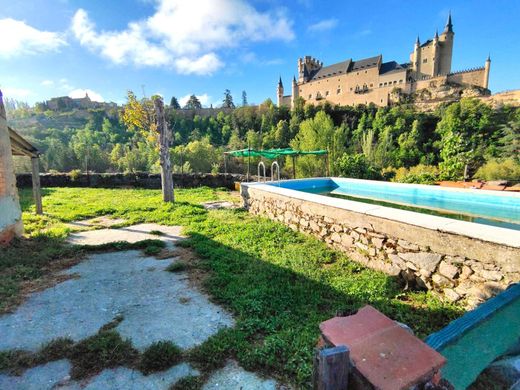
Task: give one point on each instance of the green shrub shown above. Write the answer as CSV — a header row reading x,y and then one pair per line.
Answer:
x,y
160,356
188,383
152,250
499,170
357,166
420,174
74,174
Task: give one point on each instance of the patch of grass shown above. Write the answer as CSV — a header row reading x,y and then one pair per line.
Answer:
x,y
177,266
152,250
112,324
15,362
55,350
156,232
188,383
106,349
160,356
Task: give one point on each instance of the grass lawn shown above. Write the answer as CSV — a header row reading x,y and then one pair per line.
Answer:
x,y
278,284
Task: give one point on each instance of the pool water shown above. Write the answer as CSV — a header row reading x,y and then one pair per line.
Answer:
x,y
483,207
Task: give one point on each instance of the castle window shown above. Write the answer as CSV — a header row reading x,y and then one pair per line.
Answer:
x,y
326,93
351,88
365,71
357,74
425,61
380,84
338,91
400,81
395,81
310,96
371,85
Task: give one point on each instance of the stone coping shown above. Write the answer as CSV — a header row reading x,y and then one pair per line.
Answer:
x,y
497,235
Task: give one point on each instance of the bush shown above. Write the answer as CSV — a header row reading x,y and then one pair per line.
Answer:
x,y
357,166
499,170
74,174
160,356
420,174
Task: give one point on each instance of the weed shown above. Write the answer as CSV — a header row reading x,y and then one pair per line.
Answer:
x,y
156,232
106,349
56,349
152,250
188,383
159,356
176,266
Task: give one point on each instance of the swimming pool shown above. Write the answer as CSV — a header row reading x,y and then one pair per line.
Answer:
x,y
483,207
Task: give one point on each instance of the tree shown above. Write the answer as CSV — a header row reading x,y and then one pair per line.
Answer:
x,y
193,103
174,103
228,100
464,135
147,117
244,98
356,166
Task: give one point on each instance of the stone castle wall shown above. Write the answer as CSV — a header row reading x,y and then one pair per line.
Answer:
x,y
475,77
458,267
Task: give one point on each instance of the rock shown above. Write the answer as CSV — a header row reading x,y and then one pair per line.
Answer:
x,y
377,242
362,246
486,290
491,275
411,266
448,270
360,230
354,235
347,241
314,226
423,282
466,272
441,281
337,228
304,223
451,295
371,251
335,237
425,273
364,240
376,235
426,260
463,288
407,245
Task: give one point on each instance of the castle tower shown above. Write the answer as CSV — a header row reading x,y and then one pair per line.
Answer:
x,y
435,55
416,58
279,92
487,67
295,91
446,49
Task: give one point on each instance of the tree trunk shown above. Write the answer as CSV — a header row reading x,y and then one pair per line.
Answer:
x,y
165,138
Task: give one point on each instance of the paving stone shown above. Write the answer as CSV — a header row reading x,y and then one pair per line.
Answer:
x,y
44,377
448,270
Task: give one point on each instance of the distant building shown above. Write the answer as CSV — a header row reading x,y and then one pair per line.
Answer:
x,y
371,80
66,103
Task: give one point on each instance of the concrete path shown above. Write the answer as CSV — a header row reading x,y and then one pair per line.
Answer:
x,y
131,234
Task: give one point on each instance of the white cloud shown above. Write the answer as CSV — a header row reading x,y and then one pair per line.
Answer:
x,y
323,25
47,83
184,35
16,93
204,99
80,93
20,39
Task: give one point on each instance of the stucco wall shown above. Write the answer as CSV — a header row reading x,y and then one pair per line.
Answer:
x,y
458,267
10,213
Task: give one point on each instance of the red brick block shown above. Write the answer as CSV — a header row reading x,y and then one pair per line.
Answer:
x,y
383,353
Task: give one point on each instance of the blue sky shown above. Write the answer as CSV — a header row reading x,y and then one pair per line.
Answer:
x,y
179,47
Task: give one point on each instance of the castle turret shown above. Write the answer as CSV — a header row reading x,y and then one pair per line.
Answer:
x,y
446,49
435,55
416,58
294,91
487,68
279,92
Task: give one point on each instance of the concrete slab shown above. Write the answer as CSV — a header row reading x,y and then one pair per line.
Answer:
x,y
128,379
46,376
131,234
55,375
156,305
234,377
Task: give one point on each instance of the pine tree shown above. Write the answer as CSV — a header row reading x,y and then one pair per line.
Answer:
x,y
174,103
244,99
228,100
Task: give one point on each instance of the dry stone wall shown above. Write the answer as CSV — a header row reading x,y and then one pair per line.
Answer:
x,y
458,267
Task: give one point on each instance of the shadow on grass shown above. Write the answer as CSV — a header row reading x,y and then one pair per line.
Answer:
x,y
26,197
279,303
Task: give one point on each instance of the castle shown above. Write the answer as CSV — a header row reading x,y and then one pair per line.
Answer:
x,y
371,80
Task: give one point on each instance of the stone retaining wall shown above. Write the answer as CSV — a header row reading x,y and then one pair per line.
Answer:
x,y
459,267
138,180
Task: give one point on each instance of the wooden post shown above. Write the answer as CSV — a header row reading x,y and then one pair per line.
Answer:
x,y
331,367
248,162
225,163
36,185
294,167
327,163
165,138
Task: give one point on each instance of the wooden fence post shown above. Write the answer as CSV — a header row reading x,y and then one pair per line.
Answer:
x,y
36,184
331,368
